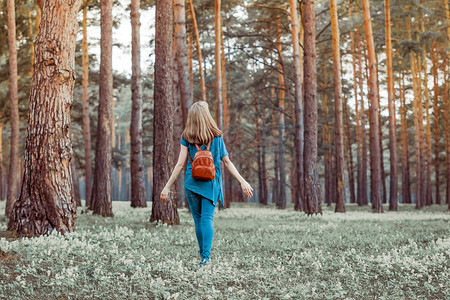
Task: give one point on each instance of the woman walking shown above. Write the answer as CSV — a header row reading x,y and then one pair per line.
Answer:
x,y
201,130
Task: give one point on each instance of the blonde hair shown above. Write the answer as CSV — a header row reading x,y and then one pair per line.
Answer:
x,y
200,126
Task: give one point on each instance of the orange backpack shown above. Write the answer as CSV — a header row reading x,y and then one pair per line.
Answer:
x,y
203,164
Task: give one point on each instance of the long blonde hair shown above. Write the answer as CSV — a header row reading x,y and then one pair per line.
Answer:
x,y
200,126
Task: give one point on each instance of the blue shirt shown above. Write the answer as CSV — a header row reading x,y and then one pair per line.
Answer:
x,y
211,190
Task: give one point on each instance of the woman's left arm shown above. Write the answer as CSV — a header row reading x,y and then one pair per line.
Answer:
x,y
175,173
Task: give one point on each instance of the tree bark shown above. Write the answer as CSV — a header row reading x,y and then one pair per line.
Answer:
x,y
436,120
181,58
393,183
101,193
312,201
2,169
362,134
76,188
299,128
327,147
339,124
276,181
199,50
265,191
86,117
375,174
136,161
218,63
349,155
447,123
281,203
13,174
46,202
164,212
406,185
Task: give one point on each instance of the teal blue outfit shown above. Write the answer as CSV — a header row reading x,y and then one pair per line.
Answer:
x,y
202,196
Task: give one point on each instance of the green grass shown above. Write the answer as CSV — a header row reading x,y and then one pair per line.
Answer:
x,y
258,252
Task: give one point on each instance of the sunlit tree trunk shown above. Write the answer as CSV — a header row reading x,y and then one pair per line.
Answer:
x,y
436,120
136,160
46,202
199,50
86,117
164,212
101,192
393,183
312,202
13,174
298,112
375,174
339,123
406,184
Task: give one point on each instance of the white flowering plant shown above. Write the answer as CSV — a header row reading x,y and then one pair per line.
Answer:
x,y
258,252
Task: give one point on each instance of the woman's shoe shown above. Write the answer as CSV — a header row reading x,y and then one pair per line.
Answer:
x,y
204,262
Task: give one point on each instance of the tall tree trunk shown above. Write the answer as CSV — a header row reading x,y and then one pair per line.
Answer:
x,y
375,174
339,124
164,212
312,203
436,120
357,117
393,183
218,61
76,188
406,184
326,142
46,202
191,73
349,155
265,191
13,175
299,128
101,192
181,58
276,181
86,117
447,123
362,115
177,123
199,50
281,83
136,161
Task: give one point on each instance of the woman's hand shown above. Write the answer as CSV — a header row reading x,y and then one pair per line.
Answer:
x,y
246,188
164,194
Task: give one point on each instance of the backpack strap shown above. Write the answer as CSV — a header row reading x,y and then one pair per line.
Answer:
x,y
198,148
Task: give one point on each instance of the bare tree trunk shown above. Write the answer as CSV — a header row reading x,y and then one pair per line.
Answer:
x,y
265,191
375,174
199,50
339,124
362,115
136,161
447,123
436,120
218,65
281,82
276,181
13,174
349,155
327,145
298,176
357,117
101,193
406,185
312,201
86,117
46,202
393,184
181,58
164,212
191,73
76,188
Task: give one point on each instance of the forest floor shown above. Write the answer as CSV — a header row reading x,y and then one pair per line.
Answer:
x,y
258,253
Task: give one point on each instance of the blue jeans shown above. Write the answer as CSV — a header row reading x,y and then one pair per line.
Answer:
x,y
202,210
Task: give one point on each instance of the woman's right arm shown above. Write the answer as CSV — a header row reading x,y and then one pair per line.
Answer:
x,y
246,188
